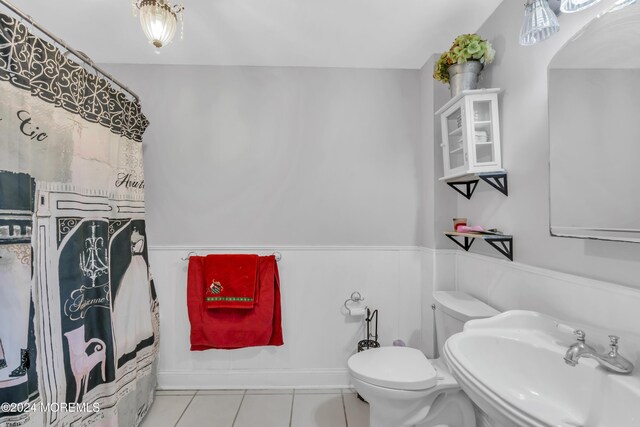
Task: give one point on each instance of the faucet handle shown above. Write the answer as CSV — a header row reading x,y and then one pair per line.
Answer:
x,y
614,340
580,334
614,345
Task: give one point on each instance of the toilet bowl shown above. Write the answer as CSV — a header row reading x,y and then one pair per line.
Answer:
x,y
404,388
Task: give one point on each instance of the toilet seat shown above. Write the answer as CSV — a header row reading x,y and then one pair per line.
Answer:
x,y
400,368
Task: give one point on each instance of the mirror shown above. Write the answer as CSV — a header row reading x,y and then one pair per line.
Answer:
x,y
594,130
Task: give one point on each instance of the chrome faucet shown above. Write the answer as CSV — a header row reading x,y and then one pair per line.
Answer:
x,y
611,361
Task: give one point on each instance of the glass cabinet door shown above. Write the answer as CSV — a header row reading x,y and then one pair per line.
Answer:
x,y
455,139
470,125
482,137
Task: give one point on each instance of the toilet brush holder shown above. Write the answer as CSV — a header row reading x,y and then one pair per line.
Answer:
x,y
367,344
372,338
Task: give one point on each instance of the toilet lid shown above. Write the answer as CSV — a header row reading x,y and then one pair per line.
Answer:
x,y
401,368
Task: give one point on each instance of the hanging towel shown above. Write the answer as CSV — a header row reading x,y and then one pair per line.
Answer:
x,y
235,328
232,281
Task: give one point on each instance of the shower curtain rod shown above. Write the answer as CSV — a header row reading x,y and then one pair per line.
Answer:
x,y
80,55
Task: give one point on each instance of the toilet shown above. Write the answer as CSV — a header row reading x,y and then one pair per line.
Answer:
x,y
404,388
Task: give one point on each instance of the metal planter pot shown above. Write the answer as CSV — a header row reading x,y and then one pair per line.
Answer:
x,y
464,76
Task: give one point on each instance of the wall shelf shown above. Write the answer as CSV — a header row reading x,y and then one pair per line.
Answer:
x,y
467,185
503,243
470,120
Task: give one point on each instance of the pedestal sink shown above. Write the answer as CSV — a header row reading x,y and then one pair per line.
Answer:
x,y
512,367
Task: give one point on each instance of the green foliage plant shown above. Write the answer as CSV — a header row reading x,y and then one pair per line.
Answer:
x,y
465,48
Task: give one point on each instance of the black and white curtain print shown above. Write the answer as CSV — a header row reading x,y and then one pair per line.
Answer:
x,y
78,310
18,374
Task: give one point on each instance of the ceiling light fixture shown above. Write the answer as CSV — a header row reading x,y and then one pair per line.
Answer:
x,y
571,6
159,20
540,22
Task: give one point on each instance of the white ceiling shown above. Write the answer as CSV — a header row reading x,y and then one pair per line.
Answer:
x,y
318,33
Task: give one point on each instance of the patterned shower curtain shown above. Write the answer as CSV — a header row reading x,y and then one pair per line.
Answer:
x,y
78,310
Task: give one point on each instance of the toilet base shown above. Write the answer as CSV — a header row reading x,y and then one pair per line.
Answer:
x,y
444,405
454,410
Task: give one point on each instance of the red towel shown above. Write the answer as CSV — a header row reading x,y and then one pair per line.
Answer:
x,y
235,328
231,281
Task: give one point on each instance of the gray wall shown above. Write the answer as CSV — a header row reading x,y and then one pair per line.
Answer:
x,y
522,73
280,156
295,156
427,145
440,199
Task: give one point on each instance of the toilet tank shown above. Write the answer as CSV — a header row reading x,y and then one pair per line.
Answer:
x,y
453,310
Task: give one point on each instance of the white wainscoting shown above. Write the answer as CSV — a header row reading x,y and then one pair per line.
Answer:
x,y
600,308
318,336
399,281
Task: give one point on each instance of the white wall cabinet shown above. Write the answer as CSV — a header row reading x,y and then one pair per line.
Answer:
x,y
471,133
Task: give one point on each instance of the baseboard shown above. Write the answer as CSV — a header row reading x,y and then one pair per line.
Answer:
x,y
253,379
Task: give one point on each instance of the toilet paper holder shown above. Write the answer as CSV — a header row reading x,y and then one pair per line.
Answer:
x,y
355,297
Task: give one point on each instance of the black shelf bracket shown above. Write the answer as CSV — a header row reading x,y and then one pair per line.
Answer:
x,y
468,241
469,187
503,243
497,180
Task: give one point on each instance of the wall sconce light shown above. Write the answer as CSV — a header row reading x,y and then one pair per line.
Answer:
x,y
159,20
540,22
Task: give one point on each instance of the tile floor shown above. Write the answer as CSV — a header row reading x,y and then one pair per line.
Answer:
x,y
257,408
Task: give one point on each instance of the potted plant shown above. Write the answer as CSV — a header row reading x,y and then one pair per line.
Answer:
x,y
460,66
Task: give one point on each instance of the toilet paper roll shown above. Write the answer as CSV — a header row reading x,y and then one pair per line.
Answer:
x,y
357,311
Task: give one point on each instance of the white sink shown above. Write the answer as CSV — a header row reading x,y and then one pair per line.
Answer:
x,y
512,367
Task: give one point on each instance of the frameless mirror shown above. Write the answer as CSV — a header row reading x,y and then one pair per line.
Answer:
x,y
594,126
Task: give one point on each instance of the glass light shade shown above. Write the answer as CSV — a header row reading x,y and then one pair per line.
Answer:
x,y
158,22
539,23
570,6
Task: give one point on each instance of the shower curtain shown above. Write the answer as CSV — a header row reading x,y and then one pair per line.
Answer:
x,y
78,310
